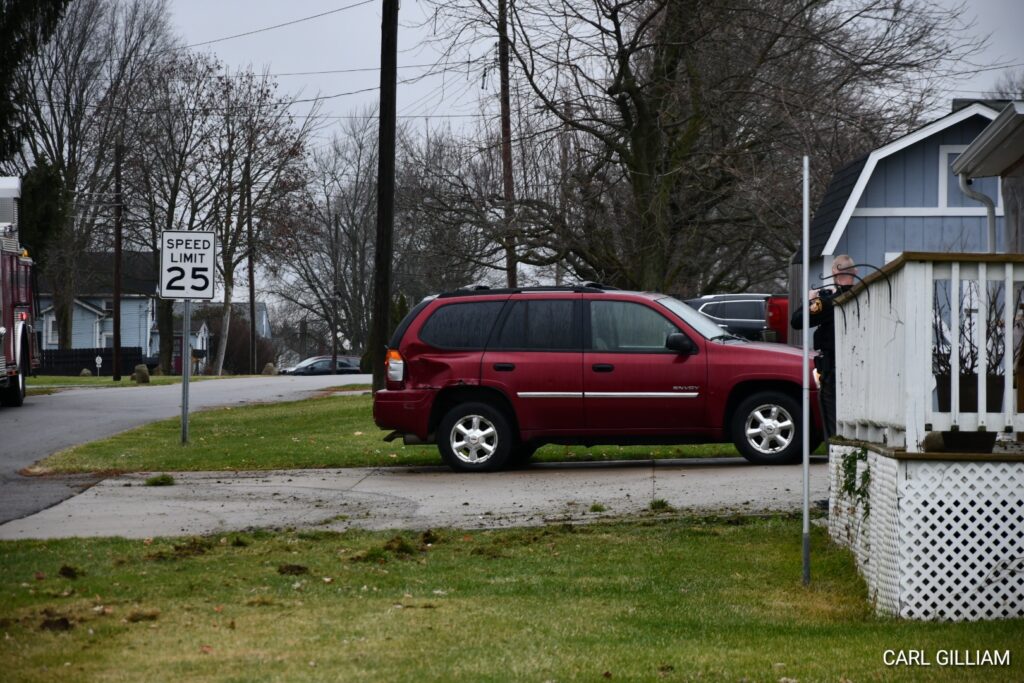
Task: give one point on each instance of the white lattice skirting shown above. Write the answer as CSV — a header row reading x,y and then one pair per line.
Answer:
x,y
935,540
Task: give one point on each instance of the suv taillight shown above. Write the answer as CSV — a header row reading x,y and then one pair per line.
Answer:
x,y
394,366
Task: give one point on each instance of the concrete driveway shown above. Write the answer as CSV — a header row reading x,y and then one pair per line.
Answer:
x,y
416,498
47,424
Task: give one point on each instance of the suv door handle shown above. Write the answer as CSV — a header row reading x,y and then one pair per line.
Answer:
x,y
602,367
504,367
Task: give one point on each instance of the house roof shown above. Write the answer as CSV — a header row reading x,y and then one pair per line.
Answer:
x,y
196,326
998,148
96,274
99,312
853,198
831,206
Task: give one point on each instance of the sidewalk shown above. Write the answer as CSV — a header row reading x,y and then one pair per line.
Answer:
x,y
415,498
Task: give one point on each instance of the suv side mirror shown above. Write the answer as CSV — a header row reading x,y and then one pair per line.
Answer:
x,y
680,343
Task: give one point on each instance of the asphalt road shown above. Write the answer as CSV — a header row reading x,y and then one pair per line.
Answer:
x,y
47,424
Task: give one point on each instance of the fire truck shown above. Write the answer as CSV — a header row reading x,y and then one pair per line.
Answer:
x,y
18,346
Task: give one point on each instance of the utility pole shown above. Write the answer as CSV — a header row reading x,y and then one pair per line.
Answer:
x,y
385,191
508,239
118,232
252,281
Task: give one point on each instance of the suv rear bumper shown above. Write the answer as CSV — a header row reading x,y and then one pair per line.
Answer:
x,y
404,410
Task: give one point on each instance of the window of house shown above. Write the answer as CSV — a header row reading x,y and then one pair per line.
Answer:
x,y
52,334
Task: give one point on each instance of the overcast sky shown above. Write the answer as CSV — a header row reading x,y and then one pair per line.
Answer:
x,y
350,39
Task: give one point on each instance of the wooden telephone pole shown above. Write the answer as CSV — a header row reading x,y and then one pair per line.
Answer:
x,y
508,239
118,255
385,191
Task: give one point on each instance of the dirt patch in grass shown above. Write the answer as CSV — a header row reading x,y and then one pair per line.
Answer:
x,y
665,597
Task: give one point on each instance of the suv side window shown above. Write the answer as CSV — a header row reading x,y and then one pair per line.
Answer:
x,y
626,327
539,325
741,310
463,326
710,309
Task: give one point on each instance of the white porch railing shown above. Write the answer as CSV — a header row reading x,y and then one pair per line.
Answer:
x,y
922,347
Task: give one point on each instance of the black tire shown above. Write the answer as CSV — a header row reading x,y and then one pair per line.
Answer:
x,y
14,394
766,429
475,437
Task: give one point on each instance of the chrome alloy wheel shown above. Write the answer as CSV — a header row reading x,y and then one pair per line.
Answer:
x,y
473,439
770,429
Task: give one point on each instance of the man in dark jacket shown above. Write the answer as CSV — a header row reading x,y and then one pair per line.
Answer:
x,y
821,312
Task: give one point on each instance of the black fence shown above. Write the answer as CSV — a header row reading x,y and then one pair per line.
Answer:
x,y
73,361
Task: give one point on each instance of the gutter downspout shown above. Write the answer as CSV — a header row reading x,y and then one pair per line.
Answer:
x,y
990,209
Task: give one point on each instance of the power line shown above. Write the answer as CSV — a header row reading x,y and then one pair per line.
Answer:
x,y
277,26
250,33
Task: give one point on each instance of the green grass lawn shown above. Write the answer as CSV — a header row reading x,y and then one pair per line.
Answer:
x,y
106,381
663,598
336,431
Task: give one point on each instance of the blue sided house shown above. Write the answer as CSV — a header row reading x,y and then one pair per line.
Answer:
x,y
904,197
93,315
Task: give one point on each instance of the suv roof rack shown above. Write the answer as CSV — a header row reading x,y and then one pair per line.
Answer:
x,y
480,289
598,285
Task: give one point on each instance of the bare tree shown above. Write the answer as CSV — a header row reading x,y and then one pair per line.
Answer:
x,y
328,238
691,117
174,128
257,142
78,93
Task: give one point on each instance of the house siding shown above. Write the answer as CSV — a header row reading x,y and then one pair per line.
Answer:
x,y
84,332
910,178
867,240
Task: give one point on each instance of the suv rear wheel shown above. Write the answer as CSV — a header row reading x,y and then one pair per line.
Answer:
x,y
475,437
766,429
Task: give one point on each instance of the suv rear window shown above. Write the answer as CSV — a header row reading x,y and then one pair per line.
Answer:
x,y
462,326
543,325
741,310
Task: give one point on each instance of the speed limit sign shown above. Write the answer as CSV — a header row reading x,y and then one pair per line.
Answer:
x,y
187,264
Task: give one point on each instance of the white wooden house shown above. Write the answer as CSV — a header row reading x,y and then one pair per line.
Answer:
x,y
904,197
927,476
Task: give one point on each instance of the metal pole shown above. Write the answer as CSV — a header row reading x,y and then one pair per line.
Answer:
x,y
186,368
806,393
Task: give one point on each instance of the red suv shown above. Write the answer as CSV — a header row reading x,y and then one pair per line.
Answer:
x,y
492,374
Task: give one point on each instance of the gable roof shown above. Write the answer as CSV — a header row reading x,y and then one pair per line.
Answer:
x,y
998,148
872,159
831,206
96,274
98,312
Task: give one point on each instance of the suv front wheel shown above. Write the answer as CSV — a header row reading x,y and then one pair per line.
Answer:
x,y
766,429
475,437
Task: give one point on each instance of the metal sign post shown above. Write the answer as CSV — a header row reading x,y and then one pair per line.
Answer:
x,y
187,269
186,367
99,364
806,393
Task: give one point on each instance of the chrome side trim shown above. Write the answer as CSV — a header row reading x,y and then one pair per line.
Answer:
x,y
608,394
642,394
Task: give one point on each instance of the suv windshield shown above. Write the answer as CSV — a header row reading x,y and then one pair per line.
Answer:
x,y
704,325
